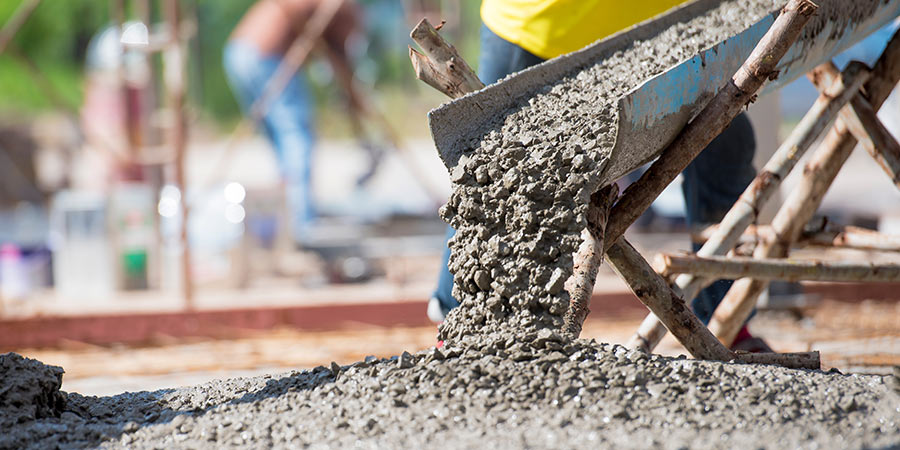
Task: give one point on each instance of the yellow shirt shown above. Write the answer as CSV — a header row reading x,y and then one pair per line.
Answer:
x,y
549,28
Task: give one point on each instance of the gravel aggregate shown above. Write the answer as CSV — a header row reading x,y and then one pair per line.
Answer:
x,y
505,378
550,393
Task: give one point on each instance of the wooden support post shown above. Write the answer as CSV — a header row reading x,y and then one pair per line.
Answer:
x,y
803,201
653,291
588,259
440,66
713,119
744,211
862,120
854,237
774,269
174,78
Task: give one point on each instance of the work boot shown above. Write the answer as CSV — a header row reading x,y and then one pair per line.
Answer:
x,y
746,342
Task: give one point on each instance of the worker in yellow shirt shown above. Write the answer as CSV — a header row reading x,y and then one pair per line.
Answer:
x,y
517,34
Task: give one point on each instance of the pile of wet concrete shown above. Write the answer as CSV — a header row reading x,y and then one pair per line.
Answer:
x,y
505,378
551,393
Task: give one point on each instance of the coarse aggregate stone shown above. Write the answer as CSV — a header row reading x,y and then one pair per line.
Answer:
x,y
522,187
549,393
506,378
521,191
28,390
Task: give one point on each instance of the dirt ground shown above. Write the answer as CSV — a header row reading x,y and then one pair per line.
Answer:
x,y
853,337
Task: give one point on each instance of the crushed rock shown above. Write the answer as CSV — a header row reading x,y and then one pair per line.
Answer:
x,y
507,394
521,191
28,390
505,378
522,185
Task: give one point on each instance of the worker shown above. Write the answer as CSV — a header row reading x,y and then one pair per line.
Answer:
x,y
254,51
516,34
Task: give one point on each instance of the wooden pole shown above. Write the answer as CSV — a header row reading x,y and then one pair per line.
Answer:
x,y
863,122
15,22
440,66
713,119
588,259
803,201
775,269
653,291
826,236
800,360
173,76
745,211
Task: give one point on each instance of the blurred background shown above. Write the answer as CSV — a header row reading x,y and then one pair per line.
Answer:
x,y
148,238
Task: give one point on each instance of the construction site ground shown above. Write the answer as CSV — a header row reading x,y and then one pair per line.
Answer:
x,y
141,342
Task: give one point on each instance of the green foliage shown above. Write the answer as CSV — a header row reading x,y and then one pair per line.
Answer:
x,y
209,88
55,38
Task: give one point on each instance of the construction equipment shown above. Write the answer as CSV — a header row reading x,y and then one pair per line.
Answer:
x,y
674,115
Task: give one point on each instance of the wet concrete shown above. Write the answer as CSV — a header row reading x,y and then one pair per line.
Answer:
x,y
521,190
29,390
506,379
552,394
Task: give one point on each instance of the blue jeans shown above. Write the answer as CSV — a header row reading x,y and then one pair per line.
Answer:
x,y
712,182
288,124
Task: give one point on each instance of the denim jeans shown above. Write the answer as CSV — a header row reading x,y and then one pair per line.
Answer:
x,y
712,182
288,124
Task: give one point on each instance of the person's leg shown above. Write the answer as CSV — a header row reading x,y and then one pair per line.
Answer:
x,y
288,124
290,119
498,59
711,185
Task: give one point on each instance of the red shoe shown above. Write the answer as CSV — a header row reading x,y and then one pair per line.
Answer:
x,y
746,342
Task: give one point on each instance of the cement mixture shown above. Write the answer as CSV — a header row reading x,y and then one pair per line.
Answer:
x,y
521,192
521,189
551,394
506,379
